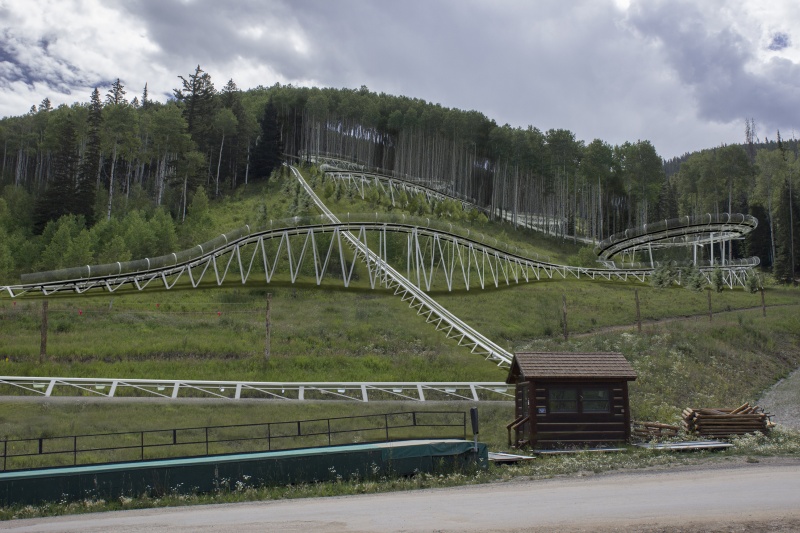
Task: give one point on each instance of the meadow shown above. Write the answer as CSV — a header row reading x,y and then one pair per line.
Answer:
x,y
330,333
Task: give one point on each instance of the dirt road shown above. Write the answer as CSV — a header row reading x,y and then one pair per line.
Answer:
x,y
749,497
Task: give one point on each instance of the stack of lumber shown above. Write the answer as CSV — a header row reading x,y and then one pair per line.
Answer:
x,y
653,430
717,423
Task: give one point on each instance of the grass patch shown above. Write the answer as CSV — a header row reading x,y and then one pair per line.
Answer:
x,y
329,333
57,416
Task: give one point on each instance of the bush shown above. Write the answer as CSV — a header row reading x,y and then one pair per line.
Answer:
x,y
693,279
664,276
753,281
585,257
716,280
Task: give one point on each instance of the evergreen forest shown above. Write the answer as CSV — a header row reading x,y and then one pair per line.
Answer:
x,y
121,176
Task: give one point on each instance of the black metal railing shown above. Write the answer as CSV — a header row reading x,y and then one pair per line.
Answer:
x,y
103,448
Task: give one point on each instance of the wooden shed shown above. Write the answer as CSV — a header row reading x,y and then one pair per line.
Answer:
x,y
570,399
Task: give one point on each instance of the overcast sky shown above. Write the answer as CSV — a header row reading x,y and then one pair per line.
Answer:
x,y
683,75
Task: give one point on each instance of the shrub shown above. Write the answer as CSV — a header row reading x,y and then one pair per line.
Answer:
x,y
753,281
693,279
716,280
664,276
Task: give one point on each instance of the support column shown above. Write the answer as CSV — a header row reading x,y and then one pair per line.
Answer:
x,y
711,247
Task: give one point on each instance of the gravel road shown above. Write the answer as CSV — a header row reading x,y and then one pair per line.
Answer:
x,y
756,497
782,400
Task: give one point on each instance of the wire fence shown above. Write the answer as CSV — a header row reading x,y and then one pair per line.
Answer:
x,y
132,446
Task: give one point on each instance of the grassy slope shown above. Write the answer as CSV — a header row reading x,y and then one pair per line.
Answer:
x,y
332,333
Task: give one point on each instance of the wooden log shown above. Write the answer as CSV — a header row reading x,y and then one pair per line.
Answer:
x,y
740,408
728,421
657,425
749,416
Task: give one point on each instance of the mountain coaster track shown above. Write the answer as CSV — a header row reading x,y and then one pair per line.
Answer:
x,y
427,251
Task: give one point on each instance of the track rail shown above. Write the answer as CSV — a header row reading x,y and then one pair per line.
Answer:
x,y
361,180
445,321
683,231
429,251
165,389
432,254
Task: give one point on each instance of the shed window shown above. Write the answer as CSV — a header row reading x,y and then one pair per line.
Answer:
x,y
579,400
563,400
595,401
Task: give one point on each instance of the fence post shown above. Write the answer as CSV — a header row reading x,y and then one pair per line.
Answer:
x,y
638,313
564,314
329,432
5,453
43,344
141,434
206,441
386,425
74,450
40,446
267,348
710,313
763,303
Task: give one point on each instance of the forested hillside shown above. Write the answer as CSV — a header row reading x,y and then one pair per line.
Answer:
x,y
121,176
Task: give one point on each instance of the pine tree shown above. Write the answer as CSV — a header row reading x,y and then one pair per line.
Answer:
x,y
197,97
267,152
116,95
145,101
757,242
787,237
667,201
90,167
60,196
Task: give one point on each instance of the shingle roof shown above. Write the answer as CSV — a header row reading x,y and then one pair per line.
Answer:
x,y
542,365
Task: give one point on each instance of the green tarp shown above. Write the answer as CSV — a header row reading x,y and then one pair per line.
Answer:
x,y
222,472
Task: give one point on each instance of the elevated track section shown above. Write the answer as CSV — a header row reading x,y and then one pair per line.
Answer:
x,y
432,257
165,389
324,247
434,313
685,231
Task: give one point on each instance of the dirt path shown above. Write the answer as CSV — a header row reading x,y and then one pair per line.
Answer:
x,y
662,321
749,497
782,401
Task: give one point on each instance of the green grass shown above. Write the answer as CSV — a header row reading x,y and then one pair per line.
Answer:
x,y
330,333
55,418
699,363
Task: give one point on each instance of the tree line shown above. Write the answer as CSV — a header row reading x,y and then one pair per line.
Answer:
x,y
104,158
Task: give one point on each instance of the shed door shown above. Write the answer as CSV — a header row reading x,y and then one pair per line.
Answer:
x,y
523,410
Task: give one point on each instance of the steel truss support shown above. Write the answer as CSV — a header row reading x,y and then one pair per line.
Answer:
x,y
433,258
47,387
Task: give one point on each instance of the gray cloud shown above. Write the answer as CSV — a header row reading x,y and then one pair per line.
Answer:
x,y
717,64
666,72
780,41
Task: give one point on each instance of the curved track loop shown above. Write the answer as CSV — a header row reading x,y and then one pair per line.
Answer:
x,y
683,231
